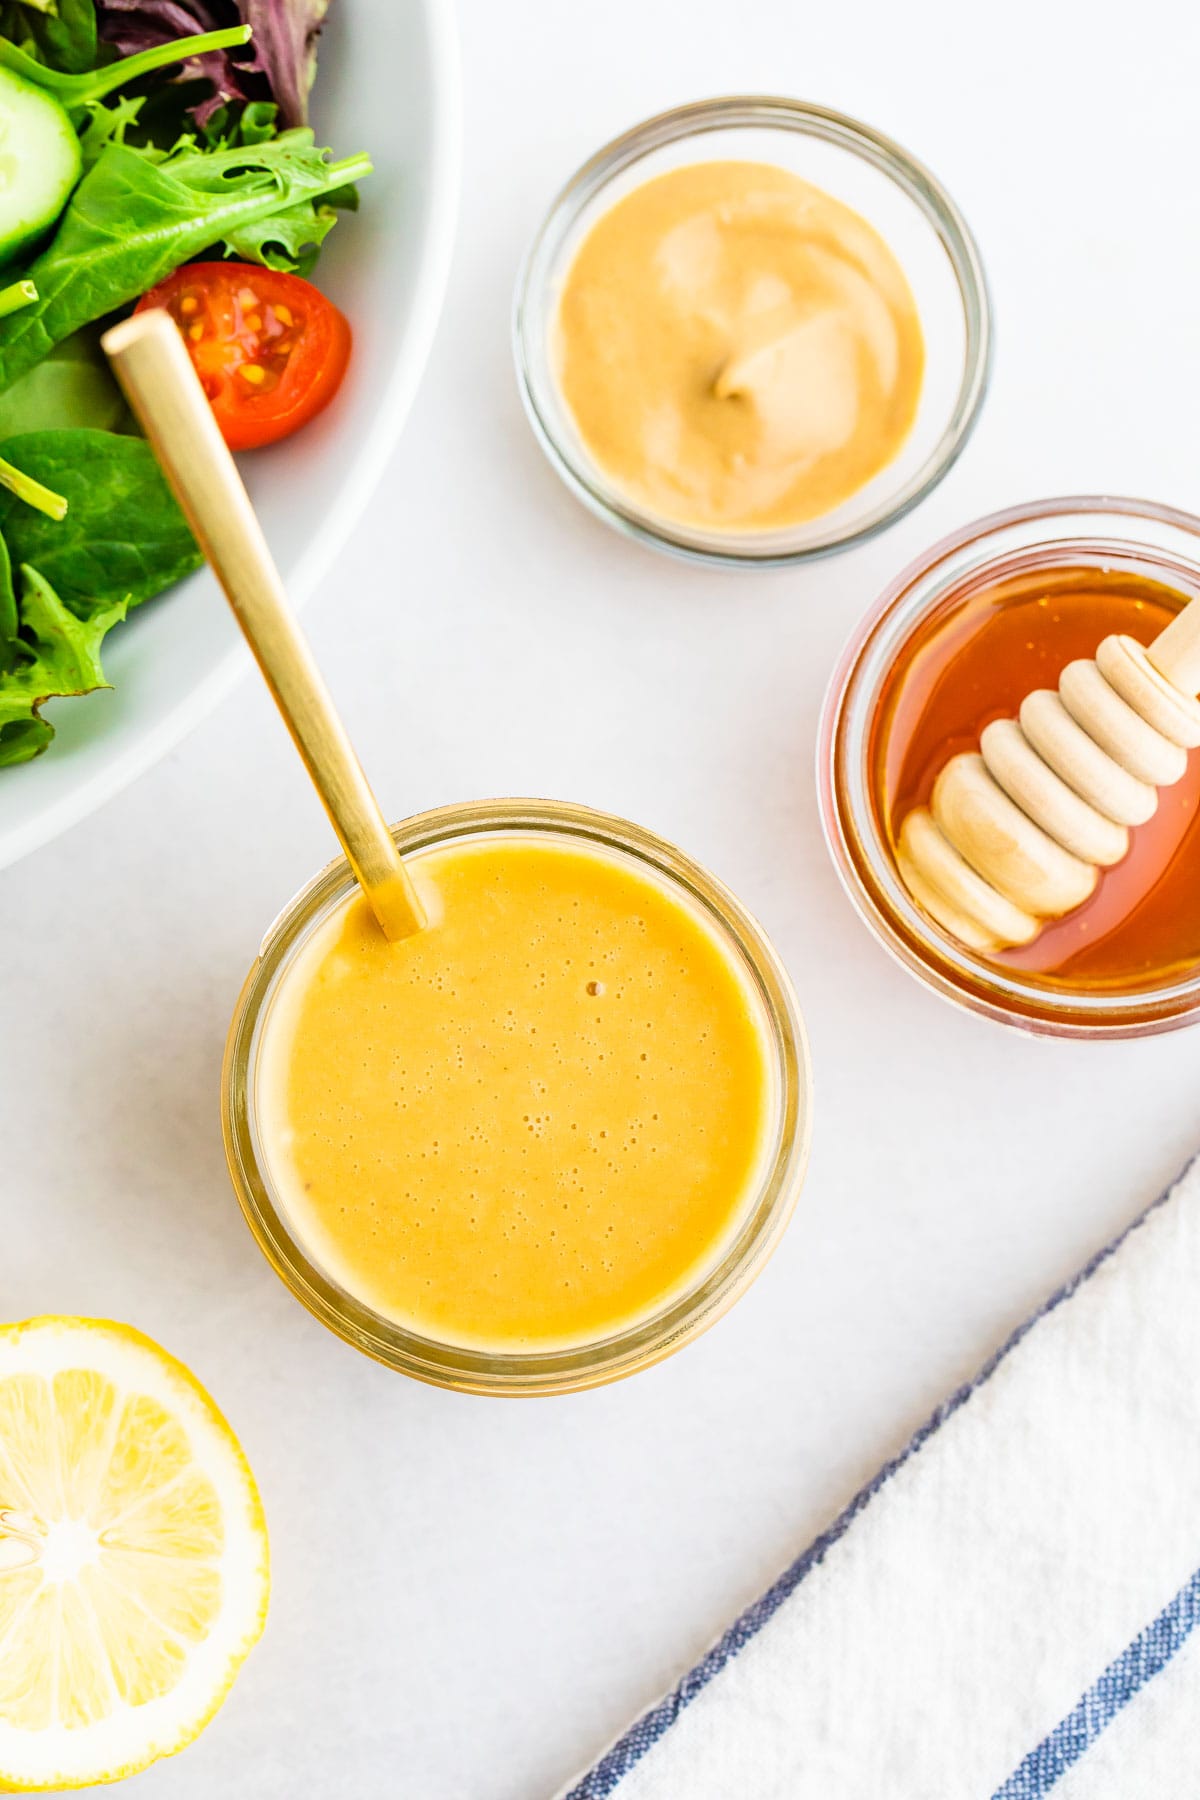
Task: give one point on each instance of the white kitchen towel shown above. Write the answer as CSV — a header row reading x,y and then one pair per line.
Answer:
x,y
1008,1609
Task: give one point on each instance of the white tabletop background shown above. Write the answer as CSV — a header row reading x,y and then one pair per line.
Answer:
x,y
470,1598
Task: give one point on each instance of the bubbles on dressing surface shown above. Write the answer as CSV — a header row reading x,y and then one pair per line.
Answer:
x,y
533,1120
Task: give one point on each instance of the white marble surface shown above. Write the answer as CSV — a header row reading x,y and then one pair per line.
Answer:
x,y
471,1598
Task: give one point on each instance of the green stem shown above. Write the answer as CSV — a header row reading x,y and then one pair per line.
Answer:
x,y
31,491
353,168
16,295
94,84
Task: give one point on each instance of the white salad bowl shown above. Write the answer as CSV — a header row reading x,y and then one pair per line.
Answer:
x,y
387,83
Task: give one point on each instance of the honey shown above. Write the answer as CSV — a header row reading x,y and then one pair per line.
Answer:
x,y
973,659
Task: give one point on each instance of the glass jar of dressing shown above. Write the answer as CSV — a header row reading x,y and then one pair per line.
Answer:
x,y
959,639
545,1142
752,331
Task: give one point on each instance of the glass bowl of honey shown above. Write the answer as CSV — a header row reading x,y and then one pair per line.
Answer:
x,y
752,331
985,618
545,1141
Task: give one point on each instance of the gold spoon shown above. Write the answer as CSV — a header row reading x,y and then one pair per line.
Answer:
x,y
162,387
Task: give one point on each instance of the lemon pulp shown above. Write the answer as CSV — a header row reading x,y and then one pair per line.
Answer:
x,y
133,1557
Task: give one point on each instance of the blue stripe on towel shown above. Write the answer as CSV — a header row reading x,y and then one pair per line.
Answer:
x,y
1149,1652
602,1779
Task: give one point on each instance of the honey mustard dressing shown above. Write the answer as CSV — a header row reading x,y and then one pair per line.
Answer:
x,y
739,350
531,1124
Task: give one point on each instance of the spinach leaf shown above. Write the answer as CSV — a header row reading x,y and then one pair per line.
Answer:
x,y
132,220
72,386
60,655
63,37
124,538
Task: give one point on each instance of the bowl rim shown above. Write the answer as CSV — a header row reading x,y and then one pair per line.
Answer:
x,y
686,1314
893,919
394,402
807,119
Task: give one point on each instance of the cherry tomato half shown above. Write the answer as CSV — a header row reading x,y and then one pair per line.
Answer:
x,y
270,350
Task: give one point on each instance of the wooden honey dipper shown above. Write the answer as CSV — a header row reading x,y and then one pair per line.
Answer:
x,y
1017,833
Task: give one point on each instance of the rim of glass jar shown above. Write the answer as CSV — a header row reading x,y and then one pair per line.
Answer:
x,y
865,865
581,1366
739,111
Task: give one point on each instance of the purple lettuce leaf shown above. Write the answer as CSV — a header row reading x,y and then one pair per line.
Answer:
x,y
277,65
133,25
285,45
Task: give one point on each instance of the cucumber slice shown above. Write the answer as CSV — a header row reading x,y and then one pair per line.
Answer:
x,y
40,162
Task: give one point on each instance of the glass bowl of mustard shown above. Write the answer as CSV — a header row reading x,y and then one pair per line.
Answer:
x,y
752,331
986,617
397,1256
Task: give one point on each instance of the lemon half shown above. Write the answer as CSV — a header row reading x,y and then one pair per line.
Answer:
x,y
133,1555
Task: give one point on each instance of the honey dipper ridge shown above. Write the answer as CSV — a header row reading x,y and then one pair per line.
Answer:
x,y
1018,832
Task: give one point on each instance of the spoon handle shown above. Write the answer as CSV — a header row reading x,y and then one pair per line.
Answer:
x,y
156,373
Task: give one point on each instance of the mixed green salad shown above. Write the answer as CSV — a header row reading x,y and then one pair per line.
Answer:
x,y
156,152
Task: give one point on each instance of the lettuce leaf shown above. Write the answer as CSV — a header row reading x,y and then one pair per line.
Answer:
x,y
107,123
285,46
60,654
290,240
279,65
223,76
136,216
